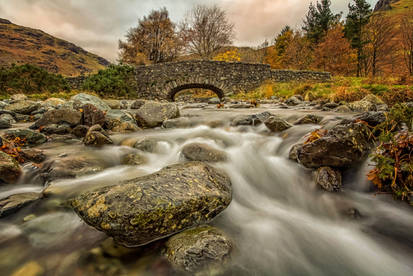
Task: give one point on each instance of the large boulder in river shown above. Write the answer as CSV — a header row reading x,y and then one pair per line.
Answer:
x,y
203,152
81,99
368,103
92,115
153,114
29,137
59,116
97,137
276,124
148,208
342,146
23,107
309,119
198,249
10,170
120,121
13,203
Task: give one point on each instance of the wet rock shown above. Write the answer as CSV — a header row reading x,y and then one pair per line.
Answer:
x,y
55,102
342,146
214,101
33,155
294,100
80,131
92,115
59,116
182,122
13,203
309,119
134,159
148,208
31,268
4,122
23,107
18,97
97,137
120,121
197,249
153,114
293,152
372,118
328,179
343,109
113,104
3,105
56,129
203,152
241,105
331,105
8,118
81,99
9,232
276,124
368,103
146,145
31,138
251,120
137,104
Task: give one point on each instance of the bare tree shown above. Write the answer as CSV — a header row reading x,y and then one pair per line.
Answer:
x,y
406,28
206,30
154,40
380,37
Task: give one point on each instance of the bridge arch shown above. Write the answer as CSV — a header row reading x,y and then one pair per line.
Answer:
x,y
218,91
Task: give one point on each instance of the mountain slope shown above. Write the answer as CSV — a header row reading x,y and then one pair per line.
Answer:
x,y
21,45
394,6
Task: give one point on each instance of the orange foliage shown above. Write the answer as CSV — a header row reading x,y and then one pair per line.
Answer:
x,y
13,148
228,56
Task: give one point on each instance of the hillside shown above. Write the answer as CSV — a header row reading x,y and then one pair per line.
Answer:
x,y
21,45
394,6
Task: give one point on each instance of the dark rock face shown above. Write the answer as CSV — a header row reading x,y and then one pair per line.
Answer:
x,y
80,131
10,170
372,118
59,116
200,248
56,129
13,203
97,137
384,5
203,152
31,138
23,107
152,207
328,179
342,146
153,114
92,115
309,119
33,155
276,124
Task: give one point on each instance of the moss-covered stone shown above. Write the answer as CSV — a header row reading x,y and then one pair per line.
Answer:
x,y
152,207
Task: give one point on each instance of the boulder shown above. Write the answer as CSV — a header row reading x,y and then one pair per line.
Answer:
x,y
146,144
328,179
18,97
4,122
368,103
113,104
29,137
23,107
81,99
343,109
342,146
294,100
55,102
33,155
13,203
3,105
148,208
10,170
276,124
203,152
182,122
137,104
58,116
202,248
134,159
153,114
92,115
97,137
372,118
120,121
8,118
309,119
80,131
293,152
251,120
56,129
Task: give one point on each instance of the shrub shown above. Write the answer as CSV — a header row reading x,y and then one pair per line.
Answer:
x,y
347,94
30,79
397,95
115,81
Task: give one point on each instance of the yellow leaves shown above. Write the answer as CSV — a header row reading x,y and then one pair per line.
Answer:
x,y
315,135
228,56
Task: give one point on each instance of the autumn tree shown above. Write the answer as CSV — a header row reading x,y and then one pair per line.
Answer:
x,y
380,37
319,20
154,40
406,29
205,30
298,55
275,53
232,55
357,18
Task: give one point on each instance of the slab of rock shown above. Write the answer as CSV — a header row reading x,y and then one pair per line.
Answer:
x,y
328,179
203,152
54,102
197,249
148,208
368,103
342,146
294,100
23,107
113,104
10,170
97,137
120,121
251,120
60,116
372,118
31,138
309,119
81,99
92,115
33,155
13,203
56,129
153,114
276,124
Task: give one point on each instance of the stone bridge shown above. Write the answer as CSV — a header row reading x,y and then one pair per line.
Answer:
x,y
164,81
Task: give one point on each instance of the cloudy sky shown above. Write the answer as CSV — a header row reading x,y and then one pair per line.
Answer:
x,y
97,25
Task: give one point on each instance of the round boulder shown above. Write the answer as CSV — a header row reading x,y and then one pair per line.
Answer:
x,y
10,170
328,179
153,114
276,124
203,152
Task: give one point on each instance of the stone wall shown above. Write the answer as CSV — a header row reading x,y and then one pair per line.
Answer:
x,y
163,81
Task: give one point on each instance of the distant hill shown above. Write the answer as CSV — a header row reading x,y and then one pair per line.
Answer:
x,y
21,45
394,6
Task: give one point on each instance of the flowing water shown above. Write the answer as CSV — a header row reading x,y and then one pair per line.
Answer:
x,y
280,222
